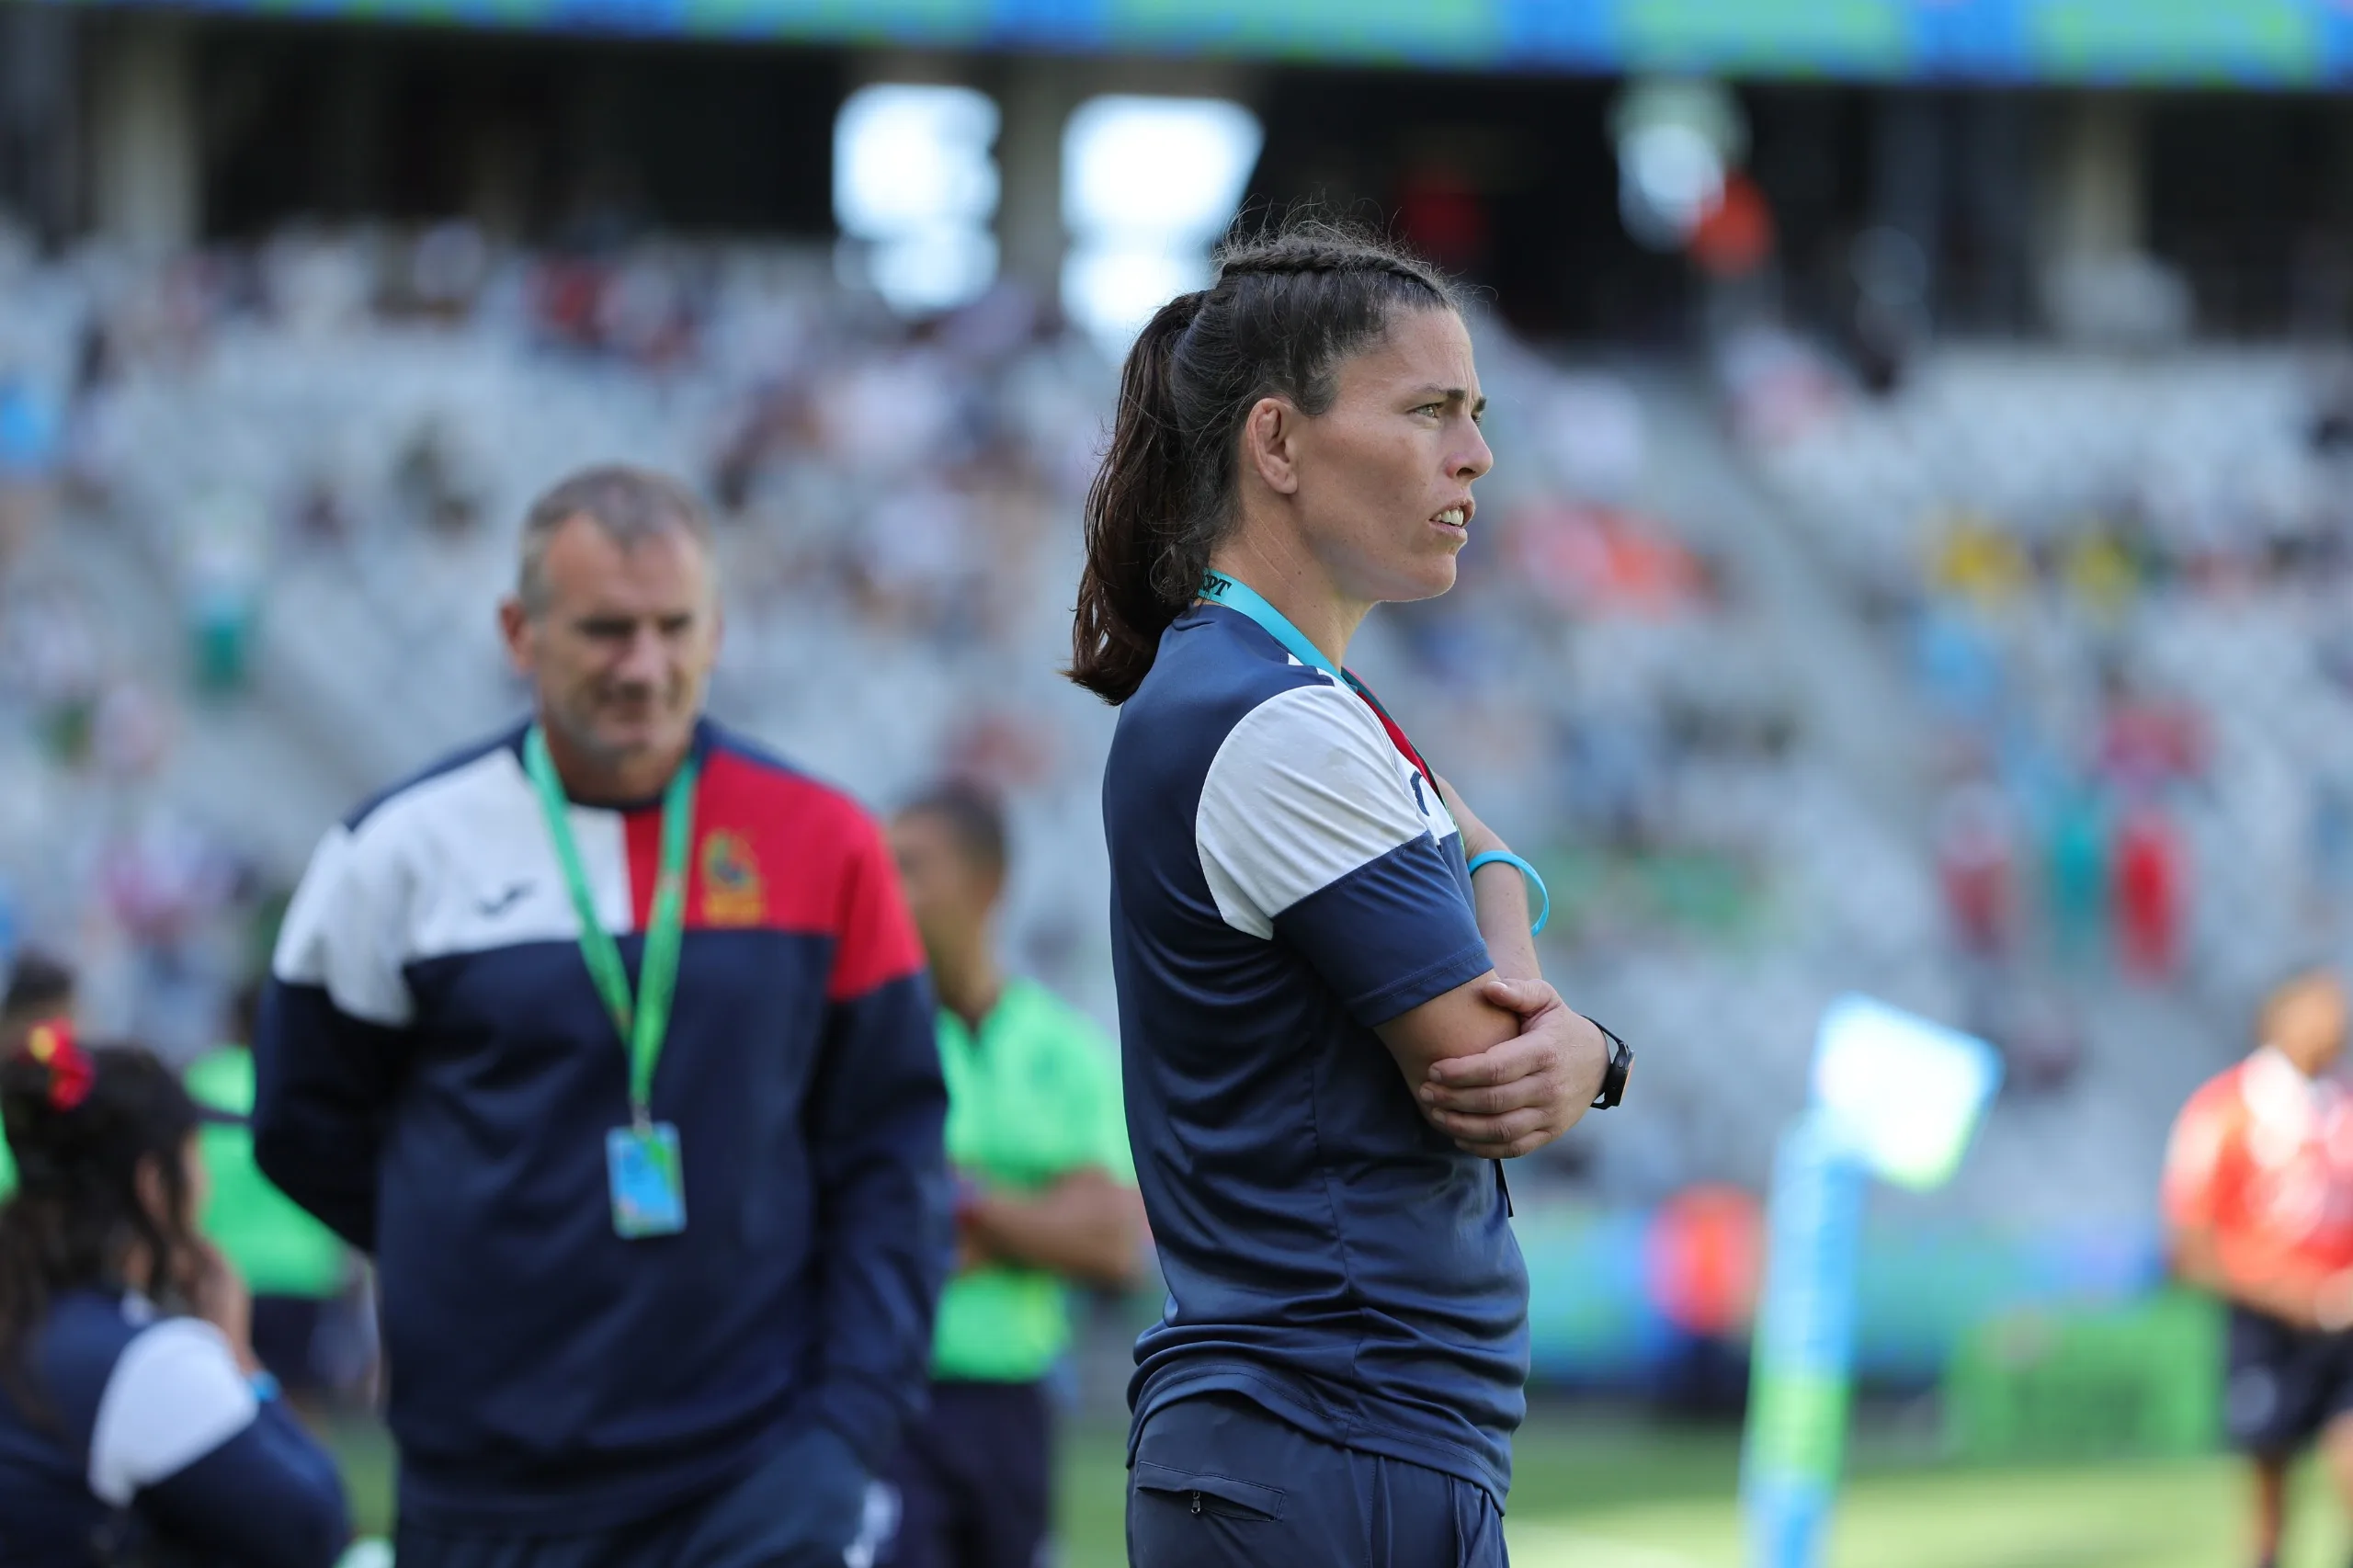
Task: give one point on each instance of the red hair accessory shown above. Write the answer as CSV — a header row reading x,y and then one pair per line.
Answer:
x,y
51,1043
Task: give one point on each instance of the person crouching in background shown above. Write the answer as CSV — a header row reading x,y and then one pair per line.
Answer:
x,y
1046,1199
136,1425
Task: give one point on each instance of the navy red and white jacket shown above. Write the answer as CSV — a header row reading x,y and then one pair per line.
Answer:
x,y
142,1442
436,1077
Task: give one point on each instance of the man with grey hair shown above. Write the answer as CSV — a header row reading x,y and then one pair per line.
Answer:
x,y
609,1040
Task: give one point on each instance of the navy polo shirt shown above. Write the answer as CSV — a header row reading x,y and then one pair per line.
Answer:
x,y
1282,881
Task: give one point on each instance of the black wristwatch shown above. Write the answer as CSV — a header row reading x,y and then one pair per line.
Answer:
x,y
1613,1079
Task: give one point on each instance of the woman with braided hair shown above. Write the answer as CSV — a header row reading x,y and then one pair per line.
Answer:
x,y
1333,1023
137,1430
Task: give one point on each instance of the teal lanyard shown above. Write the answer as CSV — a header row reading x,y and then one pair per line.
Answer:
x,y
1243,599
643,1022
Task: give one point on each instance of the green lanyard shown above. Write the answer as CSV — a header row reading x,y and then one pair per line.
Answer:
x,y
643,1023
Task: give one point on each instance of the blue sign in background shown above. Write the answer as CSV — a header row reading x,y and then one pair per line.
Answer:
x,y
2272,43
1804,1347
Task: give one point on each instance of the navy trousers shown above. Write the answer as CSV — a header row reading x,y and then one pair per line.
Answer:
x,y
975,1480
1219,1483
808,1506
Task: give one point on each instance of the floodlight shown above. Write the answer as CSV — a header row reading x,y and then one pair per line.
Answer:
x,y
1172,168
1148,185
914,180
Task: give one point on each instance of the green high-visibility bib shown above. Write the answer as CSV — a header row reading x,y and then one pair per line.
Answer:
x,y
279,1249
1034,1098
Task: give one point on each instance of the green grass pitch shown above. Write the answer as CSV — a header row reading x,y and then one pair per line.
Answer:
x,y
1597,1492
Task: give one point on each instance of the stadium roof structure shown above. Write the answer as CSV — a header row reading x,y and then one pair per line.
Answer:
x,y
2249,43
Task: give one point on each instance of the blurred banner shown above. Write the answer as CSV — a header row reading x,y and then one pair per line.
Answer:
x,y
2266,42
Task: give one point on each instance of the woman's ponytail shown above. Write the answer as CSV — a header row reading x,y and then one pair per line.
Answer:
x,y
1136,510
1285,309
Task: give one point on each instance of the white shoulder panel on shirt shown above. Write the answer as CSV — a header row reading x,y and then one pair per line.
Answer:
x,y
1304,791
174,1396
458,863
341,932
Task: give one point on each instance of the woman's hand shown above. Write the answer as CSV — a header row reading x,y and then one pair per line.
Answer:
x,y
1513,1098
221,1299
1478,838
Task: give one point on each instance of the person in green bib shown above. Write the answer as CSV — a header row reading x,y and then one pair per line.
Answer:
x,y
1046,1199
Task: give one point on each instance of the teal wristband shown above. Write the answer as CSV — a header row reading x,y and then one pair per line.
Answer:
x,y
265,1387
1506,857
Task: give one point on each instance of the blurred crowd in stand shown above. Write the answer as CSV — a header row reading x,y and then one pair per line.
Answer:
x,y
2116,584
2119,589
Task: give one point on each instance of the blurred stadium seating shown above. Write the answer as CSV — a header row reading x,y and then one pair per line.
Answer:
x,y
1771,742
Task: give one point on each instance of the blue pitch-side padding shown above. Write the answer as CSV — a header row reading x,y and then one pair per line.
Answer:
x,y
1919,1288
1591,1321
